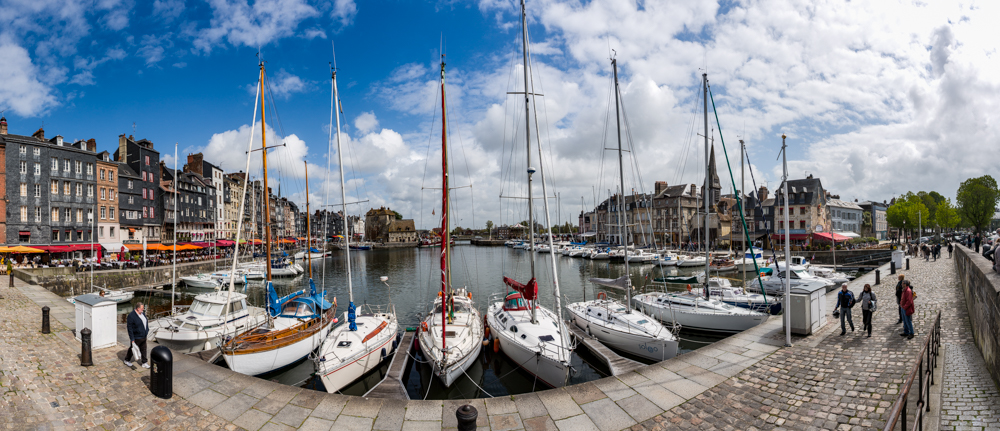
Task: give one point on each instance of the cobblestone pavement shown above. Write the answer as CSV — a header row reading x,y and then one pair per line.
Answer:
x,y
846,382
43,386
970,400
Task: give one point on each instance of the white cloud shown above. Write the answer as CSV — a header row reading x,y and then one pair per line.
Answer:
x,y
240,24
118,13
153,47
23,90
283,85
366,122
344,11
168,10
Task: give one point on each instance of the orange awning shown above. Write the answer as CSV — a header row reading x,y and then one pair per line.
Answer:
x,y
138,247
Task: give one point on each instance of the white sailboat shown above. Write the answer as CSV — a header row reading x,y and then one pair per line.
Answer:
x,y
451,335
355,348
531,335
616,324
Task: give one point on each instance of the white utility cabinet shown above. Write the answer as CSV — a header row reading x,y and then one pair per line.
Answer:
x,y
807,311
97,313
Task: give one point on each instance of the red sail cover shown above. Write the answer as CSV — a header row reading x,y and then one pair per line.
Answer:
x,y
528,292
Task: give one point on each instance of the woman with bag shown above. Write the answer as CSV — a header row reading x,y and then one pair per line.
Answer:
x,y
908,308
868,306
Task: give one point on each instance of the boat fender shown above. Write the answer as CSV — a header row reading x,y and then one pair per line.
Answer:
x,y
496,345
486,343
689,288
383,353
395,343
470,295
487,332
602,295
208,345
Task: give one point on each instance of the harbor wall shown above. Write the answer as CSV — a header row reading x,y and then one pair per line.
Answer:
x,y
982,297
66,282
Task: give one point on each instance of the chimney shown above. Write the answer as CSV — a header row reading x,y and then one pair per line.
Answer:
x,y
762,194
659,186
694,190
122,149
39,134
809,177
195,164
3,125
92,145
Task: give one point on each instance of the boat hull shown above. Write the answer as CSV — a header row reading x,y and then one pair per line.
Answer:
x,y
548,370
336,375
643,346
263,362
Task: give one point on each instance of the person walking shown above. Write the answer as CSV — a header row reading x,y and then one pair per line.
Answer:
x,y
868,306
845,300
950,248
906,303
10,271
138,328
899,297
978,240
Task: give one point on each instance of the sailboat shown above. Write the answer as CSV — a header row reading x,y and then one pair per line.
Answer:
x,y
531,335
451,334
352,350
613,323
700,311
296,323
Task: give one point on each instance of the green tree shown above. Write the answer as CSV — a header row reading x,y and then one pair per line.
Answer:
x,y
489,228
947,216
976,200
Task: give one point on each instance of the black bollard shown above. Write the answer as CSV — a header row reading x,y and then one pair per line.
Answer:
x,y
86,359
161,372
45,319
892,267
907,264
878,273
466,416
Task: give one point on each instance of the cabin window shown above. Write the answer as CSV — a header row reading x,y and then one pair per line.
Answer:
x,y
449,334
642,322
513,329
547,338
344,344
236,306
523,336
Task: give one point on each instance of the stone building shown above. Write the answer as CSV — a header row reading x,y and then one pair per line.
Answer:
x,y
874,214
401,231
673,209
195,205
145,206
130,204
196,163
807,209
107,203
845,217
3,179
385,225
232,196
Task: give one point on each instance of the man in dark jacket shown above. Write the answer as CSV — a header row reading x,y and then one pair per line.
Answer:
x,y
138,328
978,240
899,296
845,300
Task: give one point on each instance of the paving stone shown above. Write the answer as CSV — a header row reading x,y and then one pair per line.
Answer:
x,y
505,422
353,423
529,406
421,425
207,399
330,407
316,424
576,423
559,404
252,419
686,388
210,372
423,410
308,399
233,384
584,392
291,415
659,395
186,385
234,406
639,407
260,389
701,376
362,407
500,405
540,423
271,426
391,415
607,415
614,388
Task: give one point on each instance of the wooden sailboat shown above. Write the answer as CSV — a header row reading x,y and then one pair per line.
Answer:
x,y
450,336
352,350
296,324
531,335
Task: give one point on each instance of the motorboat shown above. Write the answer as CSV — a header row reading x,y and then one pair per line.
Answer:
x,y
696,312
223,277
722,290
452,341
667,258
539,345
838,278
297,324
201,281
313,254
205,324
642,257
115,295
747,261
772,280
618,326
688,261
599,254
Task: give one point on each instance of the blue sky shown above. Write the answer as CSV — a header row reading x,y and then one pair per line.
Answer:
x,y
877,98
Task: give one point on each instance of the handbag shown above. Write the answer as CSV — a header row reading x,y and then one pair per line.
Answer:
x,y
873,306
136,355
836,313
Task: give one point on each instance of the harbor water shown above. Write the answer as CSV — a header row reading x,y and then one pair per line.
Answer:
x,y
414,278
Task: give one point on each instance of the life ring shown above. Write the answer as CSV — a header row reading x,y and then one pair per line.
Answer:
x,y
602,295
424,327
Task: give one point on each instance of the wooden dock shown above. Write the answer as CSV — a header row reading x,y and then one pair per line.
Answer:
x,y
616,363
392,385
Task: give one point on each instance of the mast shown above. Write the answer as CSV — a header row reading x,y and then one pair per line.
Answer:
x,y
308,225
445,231
266,198
740,196
173,285
343,195
527,143
621,204
788,253
708,187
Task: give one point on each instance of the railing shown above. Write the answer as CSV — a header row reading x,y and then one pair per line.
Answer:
x,y
923,371
865,258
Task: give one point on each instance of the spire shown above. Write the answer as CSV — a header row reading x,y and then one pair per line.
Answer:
x,y
715,191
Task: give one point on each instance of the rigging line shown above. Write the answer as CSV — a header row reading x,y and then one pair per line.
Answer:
x,y
427,155
739,201
638,173
472,197
510,74
686,149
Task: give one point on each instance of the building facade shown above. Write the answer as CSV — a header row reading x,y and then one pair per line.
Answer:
x,y
196,163
845,217
143,160
807,209
107,202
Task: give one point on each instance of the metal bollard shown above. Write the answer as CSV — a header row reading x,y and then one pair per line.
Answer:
x,y
878,273
907,264
86,358
466,416
161,372
45,319
892,267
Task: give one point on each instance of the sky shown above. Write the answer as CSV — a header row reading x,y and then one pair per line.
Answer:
x,y
876,98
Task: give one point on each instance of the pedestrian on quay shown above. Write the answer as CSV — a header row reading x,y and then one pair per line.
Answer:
x,y
950,248
138,328
977,240
868,306
845,300
937,251
899,297
906,302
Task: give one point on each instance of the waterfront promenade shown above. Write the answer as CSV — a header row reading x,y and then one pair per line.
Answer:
x,y
747,381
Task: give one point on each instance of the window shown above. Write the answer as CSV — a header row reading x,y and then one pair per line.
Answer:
x,y
802,224
151,193
90,190
111,175
36,151
103,190
102,179
66,165
24,214
79,167
55,236
69,215
144,193
38,190
111,230
24,190
130,202
130,184
55,215
147,160
103,212
55,164
111,194
144,175
79,190
24,167
152,212
38,214
802,210
90,214
66,188
79,215
55,187
38,168
90,169
24,149
111,214
145,213
100,230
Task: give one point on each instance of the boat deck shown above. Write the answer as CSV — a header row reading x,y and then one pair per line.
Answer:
x,y
616,363
392,386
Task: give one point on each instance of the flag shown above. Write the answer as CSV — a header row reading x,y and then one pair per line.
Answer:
x,y
814,257
432,211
